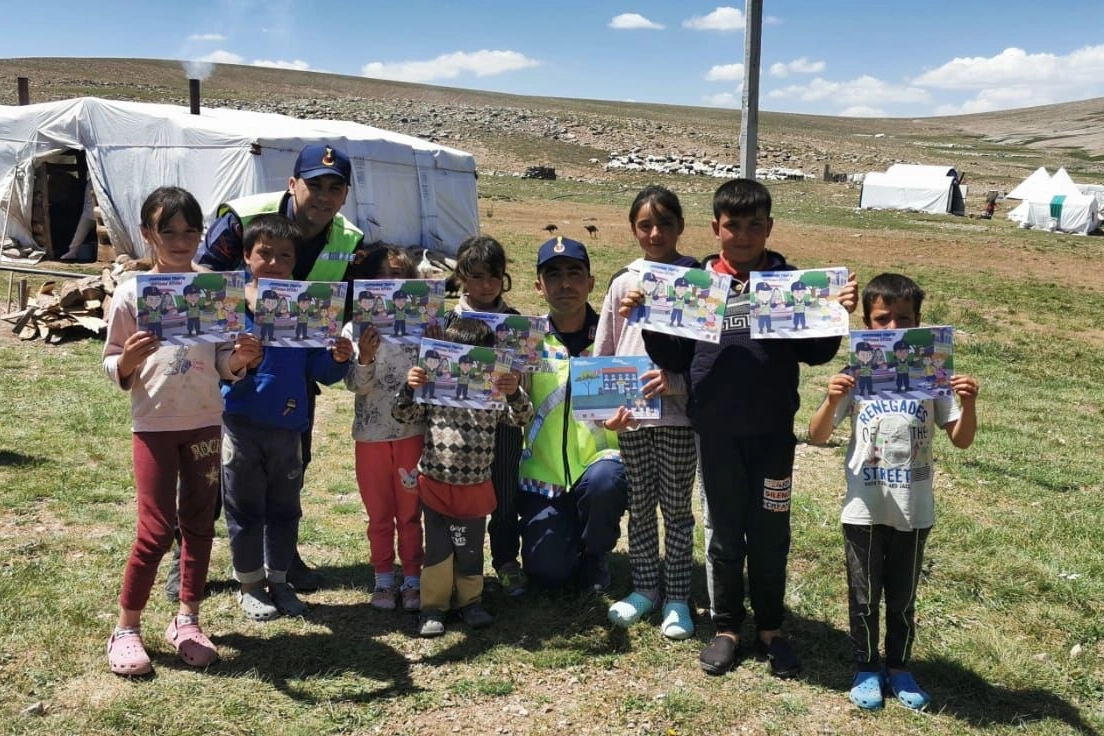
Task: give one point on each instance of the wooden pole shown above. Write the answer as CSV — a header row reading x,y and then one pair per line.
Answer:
x,y
24,90
749,130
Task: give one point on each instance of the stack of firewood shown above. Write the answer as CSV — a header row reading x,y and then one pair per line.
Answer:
x,y
71,311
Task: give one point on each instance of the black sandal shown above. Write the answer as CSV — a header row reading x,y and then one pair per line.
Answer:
x,y
784,662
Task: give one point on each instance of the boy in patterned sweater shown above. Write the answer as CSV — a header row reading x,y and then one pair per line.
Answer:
x,y
454,485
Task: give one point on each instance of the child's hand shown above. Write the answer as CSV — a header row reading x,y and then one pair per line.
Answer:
x,y
623,419
342,349
434,331
849,294
633,299
839,387
136,349
507,383
248,352
368,345
655,383
417,377
965,387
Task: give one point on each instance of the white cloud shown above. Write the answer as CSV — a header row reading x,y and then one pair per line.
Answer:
x,y
724,99
721,19
797,66
281,64
724,72
450,66
206,37
772,20
222,57
998,98
861,91
862,111
633,21
1016,66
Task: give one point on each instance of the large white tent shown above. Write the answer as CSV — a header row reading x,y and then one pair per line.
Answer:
x,y
913,187
1054,203
406,191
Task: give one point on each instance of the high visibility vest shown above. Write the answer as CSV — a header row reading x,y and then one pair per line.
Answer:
x,y
341,241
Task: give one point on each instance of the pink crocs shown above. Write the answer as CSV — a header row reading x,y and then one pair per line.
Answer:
x,y
190,642
126,654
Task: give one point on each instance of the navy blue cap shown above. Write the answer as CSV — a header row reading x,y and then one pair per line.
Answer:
x,y
561,247
322,159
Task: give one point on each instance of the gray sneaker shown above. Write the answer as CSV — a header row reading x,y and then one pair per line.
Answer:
x,y
257,605
286,602
431,623
476,616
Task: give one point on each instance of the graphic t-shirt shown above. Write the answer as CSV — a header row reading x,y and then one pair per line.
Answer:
x,y
889,460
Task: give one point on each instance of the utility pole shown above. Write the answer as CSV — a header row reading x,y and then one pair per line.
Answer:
x,y
749,129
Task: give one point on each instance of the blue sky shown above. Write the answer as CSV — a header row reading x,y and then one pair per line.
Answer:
x,y
847,58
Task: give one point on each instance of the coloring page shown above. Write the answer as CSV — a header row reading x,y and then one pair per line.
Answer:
x,y
600,386
461,375
797,304
521,335
912,363
298,314
191,308
686,302
400,309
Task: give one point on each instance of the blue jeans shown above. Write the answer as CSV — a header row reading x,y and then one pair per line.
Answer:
x,y
556,533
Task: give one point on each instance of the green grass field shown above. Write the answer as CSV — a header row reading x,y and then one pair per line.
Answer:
x,y
1011,605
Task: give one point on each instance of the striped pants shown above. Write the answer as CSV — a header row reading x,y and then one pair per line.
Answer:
x,y
659,464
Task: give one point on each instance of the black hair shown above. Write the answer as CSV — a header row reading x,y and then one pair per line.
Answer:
x,y
469,331
890,288
270,227
165,203
658,197
741,197
485,251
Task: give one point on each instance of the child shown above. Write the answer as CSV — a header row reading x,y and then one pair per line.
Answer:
x,y
454,484
885,525
265,416
177,413
387,450
659,454
743,398
481,270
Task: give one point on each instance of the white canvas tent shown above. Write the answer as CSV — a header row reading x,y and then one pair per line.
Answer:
x,y
913,187
1054,203
406,191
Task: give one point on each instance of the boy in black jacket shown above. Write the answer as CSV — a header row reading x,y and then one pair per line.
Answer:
x,y
743,398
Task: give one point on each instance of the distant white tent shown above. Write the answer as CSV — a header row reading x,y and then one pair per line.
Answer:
x,y
1054,203
1037,184
406,191
914,187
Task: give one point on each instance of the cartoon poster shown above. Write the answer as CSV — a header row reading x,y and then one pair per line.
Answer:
x,y
400,309
298,314
600,386
914,363
461,375
521,335
687,302
797,304
191,308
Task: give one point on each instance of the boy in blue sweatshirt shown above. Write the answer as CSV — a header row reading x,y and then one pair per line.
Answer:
x,y
743,398
264,416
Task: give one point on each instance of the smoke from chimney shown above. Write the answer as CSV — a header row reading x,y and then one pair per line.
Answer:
x,y
198,69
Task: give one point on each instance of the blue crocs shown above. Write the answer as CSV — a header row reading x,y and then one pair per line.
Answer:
x,y
677,622
907,691
866,690
628,611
